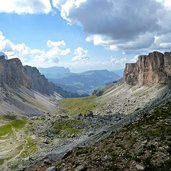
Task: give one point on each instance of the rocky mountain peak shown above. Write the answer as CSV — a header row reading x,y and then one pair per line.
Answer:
x,y
14,74
149,69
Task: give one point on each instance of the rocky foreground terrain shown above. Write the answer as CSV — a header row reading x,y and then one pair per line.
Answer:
x,y
127,127
142,145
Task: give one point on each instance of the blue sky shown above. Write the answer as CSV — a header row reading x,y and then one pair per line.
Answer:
x,y
83,34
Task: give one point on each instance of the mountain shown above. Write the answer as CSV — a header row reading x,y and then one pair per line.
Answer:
x,y
55,72
119,72
126,128
25,90
81,83
149,69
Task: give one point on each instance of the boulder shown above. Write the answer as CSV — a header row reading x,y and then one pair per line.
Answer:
x,y
52,168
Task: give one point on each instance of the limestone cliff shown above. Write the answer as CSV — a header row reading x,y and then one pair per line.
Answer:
x,y
149,69
38,81
14,75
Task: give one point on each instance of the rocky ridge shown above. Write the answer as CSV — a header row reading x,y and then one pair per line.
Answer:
x,y
14,74
149,69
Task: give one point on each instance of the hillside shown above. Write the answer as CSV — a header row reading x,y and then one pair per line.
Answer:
x,y
25,91
143,145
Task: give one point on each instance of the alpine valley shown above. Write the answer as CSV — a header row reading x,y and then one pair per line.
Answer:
x,y
124,125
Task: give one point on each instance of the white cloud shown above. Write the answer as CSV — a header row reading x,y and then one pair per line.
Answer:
x,y
120,62
52,44
56,48
25,6
66,6
29,55
80,54
120,25
167,3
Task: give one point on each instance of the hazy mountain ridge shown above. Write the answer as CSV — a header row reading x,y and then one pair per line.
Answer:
x,y
55,72
81,83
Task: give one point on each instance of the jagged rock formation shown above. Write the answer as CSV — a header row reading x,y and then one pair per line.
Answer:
x,y
14,74
149,69
39,82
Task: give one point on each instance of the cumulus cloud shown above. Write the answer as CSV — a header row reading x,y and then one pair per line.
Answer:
x,y
120,62
120,25
27,54
25,6
80,54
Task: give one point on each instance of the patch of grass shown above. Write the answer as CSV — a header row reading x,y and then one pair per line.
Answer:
x,y
1,161
79,105
5,129
29,148
16,123
67,126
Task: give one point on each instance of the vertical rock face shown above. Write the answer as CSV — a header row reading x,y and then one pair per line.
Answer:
x,y
131,74
149,69
38,81
14,74
167,63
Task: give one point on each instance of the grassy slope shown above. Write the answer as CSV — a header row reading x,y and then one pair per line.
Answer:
x,y
15,141
16,124
146,143
65,127
79,105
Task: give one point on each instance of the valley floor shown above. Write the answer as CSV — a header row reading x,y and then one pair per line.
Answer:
x,y
75,123
143,145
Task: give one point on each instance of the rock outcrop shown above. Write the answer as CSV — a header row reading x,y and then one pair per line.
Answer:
x,y
14,74
39,82
149,69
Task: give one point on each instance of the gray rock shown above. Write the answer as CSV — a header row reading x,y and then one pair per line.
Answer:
x,y
81,168
51,169
139,167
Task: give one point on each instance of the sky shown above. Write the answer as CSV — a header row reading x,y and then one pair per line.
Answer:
x,y
83,34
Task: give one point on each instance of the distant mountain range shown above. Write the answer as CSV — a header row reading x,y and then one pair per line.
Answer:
x,y
55,72
81,83
119,72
